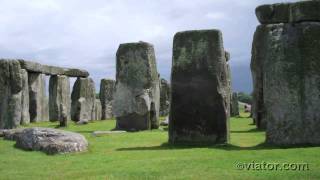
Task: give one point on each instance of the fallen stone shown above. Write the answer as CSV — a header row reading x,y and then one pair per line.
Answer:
x,y
82,122
11,134
51,141
137,96
107,88
199,89
165,122
52,70
101,133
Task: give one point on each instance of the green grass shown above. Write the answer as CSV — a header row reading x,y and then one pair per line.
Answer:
x,y
146,155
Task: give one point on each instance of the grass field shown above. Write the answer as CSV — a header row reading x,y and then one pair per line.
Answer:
x,y
146,155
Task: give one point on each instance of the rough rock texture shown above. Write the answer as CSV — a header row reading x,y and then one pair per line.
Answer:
x,y
229,89
164,98
285,68
38,106
199,89
25,115
234,109
259,56
289,12
51,141
11,134
59,98
137,96
98,110
52,70
10,93
83,100
107,88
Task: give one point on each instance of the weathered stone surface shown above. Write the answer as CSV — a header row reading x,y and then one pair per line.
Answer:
x,y
234,109
59,98
51,141
38,106
164,98
260,50
11,134
25,115
52,70
10,93
107,88
199,89
286,57
137,96
274,13
83,100
305,11
97,110
289,12
101,133
229,88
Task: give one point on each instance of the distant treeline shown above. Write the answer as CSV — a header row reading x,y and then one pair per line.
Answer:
x,y
245,98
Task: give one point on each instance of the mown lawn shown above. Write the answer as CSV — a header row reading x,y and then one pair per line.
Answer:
x,y
146,155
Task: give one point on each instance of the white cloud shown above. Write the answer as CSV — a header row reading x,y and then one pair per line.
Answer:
x,y
86,34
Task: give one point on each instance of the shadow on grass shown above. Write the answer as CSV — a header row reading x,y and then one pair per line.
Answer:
x,y
226,147
255,130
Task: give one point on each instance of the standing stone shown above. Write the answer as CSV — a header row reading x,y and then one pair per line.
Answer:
x,y
98,110
59,97
199,89
137,95
234,105
227,55
107,88
285,64
164,98
10,94
38,106
25,115
64,115
83,100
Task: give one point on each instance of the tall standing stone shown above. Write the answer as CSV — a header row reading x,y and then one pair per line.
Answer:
x,y
83,100
59,98
227,55
137,95
164,98
25,115
234,105
10,94
285,66
97,110
38,106
107,88
199,89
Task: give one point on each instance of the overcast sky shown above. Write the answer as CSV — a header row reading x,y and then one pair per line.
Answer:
x,y
86,33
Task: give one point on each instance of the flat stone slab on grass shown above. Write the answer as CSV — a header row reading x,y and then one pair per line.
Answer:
x,y
101,133
50,141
